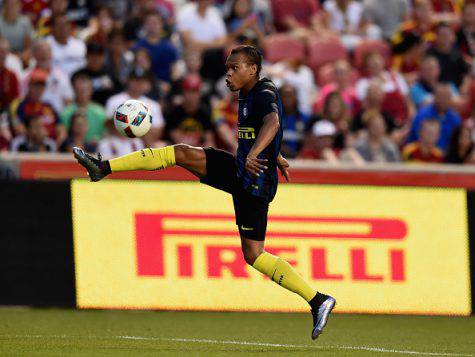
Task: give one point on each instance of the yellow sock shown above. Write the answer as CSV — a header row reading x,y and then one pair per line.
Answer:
x,y
146,159
283,274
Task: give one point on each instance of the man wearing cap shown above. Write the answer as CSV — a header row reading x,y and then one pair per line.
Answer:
x,y
58,91
32,106
137,86
190,122
319,144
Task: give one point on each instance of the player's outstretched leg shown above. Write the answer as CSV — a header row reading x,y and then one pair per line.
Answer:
x,y
283,274
191,158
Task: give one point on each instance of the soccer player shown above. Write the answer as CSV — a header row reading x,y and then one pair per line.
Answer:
x,y
250,177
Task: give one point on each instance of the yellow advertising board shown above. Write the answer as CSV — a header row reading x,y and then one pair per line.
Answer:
x,y
174,245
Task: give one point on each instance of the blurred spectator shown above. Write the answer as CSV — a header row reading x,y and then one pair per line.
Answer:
x,y
373,102
190,65
17,29
320,142
77,134
453,67
343,84
225,120
245,25
408,56
296,16
114,144
335,111
100,26
466,32
294,122
447,10
387,14
344,18
201,26
461,147
69,53
137,86
425,149
134,23
422,92
441,110
5,132
33,106
143,62
422,23
300,76
161,51
58,91
56,8
190,123
33,9
94,113
118,58
9,85
35,138
103,84
376,146
396,101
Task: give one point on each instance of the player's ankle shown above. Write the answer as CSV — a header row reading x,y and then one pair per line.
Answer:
x,y
317,300
105,167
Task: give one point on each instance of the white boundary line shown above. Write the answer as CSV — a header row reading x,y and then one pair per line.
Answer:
x,y
243,343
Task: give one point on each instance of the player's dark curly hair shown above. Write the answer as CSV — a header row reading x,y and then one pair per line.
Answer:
x,y
253,55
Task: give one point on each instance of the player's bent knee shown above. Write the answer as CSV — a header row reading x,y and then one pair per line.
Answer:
x,y
185,153
250,255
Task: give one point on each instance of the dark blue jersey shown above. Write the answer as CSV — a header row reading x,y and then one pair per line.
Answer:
x,y
261,100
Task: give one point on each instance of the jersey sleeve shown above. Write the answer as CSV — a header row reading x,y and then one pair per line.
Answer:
x,y
266,103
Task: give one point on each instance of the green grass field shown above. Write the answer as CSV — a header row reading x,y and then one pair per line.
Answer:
x,y
55,332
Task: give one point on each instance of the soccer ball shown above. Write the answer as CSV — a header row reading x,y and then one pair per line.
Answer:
x,y
133,119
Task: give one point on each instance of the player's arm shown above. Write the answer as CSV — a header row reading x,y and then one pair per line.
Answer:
x,y
264,138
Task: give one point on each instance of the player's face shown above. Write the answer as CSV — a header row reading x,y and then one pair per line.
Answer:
x,y
239,72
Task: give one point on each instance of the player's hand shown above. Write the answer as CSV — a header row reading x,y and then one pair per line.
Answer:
x,y
255,166
283,166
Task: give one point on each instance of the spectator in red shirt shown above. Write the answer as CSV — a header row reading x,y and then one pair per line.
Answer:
x,y
33,106
9,86
425,149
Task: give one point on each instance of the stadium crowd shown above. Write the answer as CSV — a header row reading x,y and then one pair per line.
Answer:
x,y
360,81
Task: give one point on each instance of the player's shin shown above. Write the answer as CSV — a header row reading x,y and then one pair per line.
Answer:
x,y
145,159
283,274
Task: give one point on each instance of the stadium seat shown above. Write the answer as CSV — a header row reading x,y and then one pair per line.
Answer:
x,y
280,47
321,52
371,45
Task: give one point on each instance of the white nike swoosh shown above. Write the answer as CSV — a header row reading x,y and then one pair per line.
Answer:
x,y
246,229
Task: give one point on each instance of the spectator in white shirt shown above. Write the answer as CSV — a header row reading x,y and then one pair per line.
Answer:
x,y
137,85
58,91
69,53
201,26
344,17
